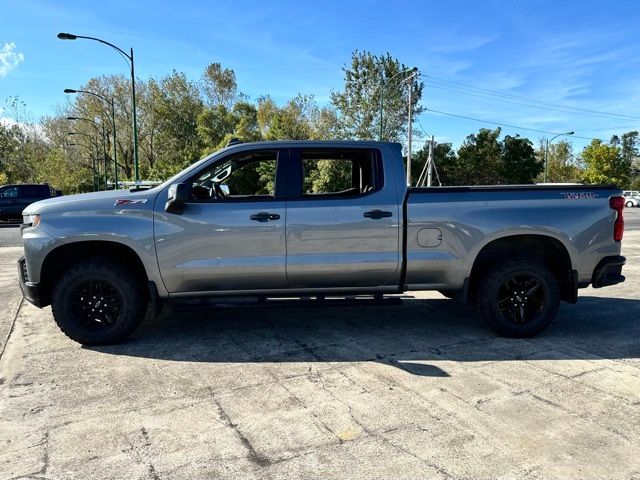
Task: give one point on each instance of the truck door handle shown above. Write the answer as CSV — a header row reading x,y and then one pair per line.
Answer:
x,y
377,214
264,216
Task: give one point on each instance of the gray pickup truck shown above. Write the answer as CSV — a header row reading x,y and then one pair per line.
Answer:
x,y
316,219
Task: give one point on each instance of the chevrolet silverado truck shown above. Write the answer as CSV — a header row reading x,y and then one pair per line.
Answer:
x,y
316,219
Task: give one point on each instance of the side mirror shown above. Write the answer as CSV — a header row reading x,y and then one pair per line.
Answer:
x,y
177,198
225,189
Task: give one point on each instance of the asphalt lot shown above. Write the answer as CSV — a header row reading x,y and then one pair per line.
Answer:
x,y
418,390
10,236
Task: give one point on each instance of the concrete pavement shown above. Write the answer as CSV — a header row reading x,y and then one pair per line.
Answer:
x,y
10,295
421,390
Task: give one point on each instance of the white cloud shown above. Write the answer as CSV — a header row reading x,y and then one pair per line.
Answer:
x,y
9,58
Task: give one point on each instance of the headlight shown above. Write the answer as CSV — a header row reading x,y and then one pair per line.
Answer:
x,y
31,220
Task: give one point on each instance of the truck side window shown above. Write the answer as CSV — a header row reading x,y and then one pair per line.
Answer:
x,y
250,175
339,173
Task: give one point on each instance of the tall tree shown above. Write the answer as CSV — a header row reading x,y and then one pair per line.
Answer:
x,y
291,122
219,85
366,79
605,164
480,159
562,164
176,105
519,162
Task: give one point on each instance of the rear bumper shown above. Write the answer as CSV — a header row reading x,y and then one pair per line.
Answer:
x,y
608,272
30,290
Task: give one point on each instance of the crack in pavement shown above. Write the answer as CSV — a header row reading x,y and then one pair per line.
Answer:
x,y
13,325
254,456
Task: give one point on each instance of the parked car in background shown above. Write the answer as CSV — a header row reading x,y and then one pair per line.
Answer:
x,y
632,198
15,198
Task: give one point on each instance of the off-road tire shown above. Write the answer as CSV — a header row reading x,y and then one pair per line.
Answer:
x,y
119,283
542,305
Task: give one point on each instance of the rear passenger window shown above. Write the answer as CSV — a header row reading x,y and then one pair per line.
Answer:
x,y
339,173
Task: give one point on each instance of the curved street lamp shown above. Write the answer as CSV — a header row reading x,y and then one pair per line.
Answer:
x,y
93,159
383,85
113,127
98,126
92,167
546,152
129,58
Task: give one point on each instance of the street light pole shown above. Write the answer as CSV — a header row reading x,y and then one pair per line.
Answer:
x,y
96,173
113,128
129,58
383,84
104,144
546,153
93,161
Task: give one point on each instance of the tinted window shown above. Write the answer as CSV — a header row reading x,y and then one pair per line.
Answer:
x,y
9,192
246,175
34,191
332,172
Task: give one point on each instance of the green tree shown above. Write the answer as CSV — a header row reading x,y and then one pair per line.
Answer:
x,y
562,164
445,162
629,144
219,85
519,164
20,148
67,173
605,164
290,122
480,159
176,105
358,104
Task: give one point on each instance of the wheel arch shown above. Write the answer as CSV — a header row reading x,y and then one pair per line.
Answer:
x,y
547,249
65,255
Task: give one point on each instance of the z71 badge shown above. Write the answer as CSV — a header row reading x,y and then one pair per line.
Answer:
x,y
579,195
121,202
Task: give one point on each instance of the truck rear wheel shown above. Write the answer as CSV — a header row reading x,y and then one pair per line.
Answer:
x,y
519,298
98,302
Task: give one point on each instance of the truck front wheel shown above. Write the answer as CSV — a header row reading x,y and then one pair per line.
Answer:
x,y
98,302
519,298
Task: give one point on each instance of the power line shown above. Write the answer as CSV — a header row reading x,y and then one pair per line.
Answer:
x,y
493,92
543,107
421,127
500,124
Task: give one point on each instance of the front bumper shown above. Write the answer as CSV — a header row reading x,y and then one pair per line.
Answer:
x,y
608,272
30,290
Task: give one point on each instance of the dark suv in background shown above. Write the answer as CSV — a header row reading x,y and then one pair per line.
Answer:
x,y
15,198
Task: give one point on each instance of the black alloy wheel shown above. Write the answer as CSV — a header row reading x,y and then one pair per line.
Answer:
x,y
518,298
96,304
522,297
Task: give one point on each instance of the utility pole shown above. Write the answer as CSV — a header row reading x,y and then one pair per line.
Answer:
x,y
425,174
430,162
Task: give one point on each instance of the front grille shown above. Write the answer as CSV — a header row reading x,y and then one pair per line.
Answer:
x,y
23,270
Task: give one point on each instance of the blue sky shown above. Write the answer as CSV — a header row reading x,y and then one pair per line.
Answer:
x,y
582,54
